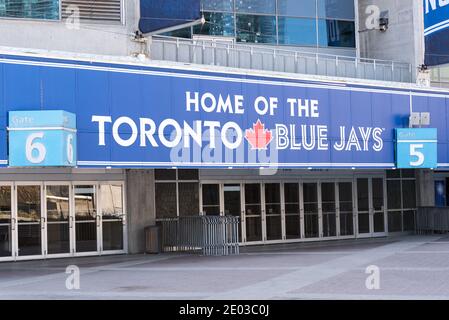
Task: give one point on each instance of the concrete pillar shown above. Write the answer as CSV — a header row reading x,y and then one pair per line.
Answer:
x,y
140,207
425,188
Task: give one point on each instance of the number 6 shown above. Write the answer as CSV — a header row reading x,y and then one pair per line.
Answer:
x,y
30,146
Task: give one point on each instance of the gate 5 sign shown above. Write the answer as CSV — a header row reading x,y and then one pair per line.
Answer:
x,y
416,148
42,139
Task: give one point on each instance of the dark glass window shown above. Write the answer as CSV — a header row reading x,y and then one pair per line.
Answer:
x,y
30,9
217,24
336,9
394,194
256,6
297,8
188,199
409,194
256,29
297,31
166,200
217,5
188,174
165,174
336,33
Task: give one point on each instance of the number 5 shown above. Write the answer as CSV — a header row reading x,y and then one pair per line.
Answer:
x,y
415,153
30,145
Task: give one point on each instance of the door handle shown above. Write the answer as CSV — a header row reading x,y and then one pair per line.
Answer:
x,y
70,222
42,223
98,220
13,224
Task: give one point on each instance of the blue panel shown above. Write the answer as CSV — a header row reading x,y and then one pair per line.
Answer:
x,y
416,148
42,139
161,14
436,25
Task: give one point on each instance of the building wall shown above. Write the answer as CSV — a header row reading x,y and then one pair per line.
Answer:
x,y
403,41
94,38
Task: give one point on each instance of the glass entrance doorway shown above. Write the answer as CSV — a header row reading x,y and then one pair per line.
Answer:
x,y
40,220
371,206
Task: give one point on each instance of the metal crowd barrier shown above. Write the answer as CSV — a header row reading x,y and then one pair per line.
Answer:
x,y
213,236
432,220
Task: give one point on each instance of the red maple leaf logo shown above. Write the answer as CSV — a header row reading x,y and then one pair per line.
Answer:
x,y
259,137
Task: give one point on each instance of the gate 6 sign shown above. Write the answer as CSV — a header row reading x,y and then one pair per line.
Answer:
x,y
416,148
42,139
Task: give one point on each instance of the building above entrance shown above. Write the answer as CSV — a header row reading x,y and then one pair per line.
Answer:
x,y
44,138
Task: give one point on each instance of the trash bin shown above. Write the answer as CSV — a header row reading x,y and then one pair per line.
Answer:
x,y
152,240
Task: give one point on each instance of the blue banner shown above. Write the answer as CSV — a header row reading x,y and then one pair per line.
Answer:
x,y
436,31
156,15
134,116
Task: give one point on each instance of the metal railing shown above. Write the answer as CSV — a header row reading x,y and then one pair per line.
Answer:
x,y
276,59
213,236
432,220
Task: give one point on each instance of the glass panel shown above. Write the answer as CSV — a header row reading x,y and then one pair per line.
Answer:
x,y
395,221
211,199
253,212
408,173
58,228
217,24
111,197
336,33
31,9
297,8
363,223
256,29
409,194
379,222
297,31
378,194
329,209
362,195
165,200
340,9
409,220
85,218
393,174
189,199
346,205
5,221
310,192
273,211
232,205
29,220
394,194
188,174
165,174
217,5
292,211
256,6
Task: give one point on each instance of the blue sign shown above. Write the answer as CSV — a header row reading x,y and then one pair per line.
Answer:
x,y
42,139
147,116
436,31
416,148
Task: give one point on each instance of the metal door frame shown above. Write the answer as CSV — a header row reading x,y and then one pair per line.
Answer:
x,y
13,224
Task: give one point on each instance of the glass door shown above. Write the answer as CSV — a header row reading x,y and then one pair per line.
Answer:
x,y
7,223
30,222
211,199
57,205
112,217
232,203
273,221
292,211
371,206
346,209
329,208
311,213
253,212
87,220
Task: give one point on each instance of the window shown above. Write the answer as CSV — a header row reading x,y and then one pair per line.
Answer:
x,y
30,9
256,29
401,200
217,24
336,33
176,193
288,31
336,9
297,8
256,6
217,5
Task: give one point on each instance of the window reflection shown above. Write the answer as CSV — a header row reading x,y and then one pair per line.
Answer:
x,y
336,33
256,29
256,6
31,9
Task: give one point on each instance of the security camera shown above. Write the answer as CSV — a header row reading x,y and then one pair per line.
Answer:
x,y
383,21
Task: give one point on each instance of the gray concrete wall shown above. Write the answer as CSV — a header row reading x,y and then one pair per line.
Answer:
x,y
93,38
140,207
403,41
425,188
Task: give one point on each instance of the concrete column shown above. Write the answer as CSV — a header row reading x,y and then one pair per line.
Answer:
x,y
425,188
140,207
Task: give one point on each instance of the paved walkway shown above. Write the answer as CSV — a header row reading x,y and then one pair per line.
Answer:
x,y
413,267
